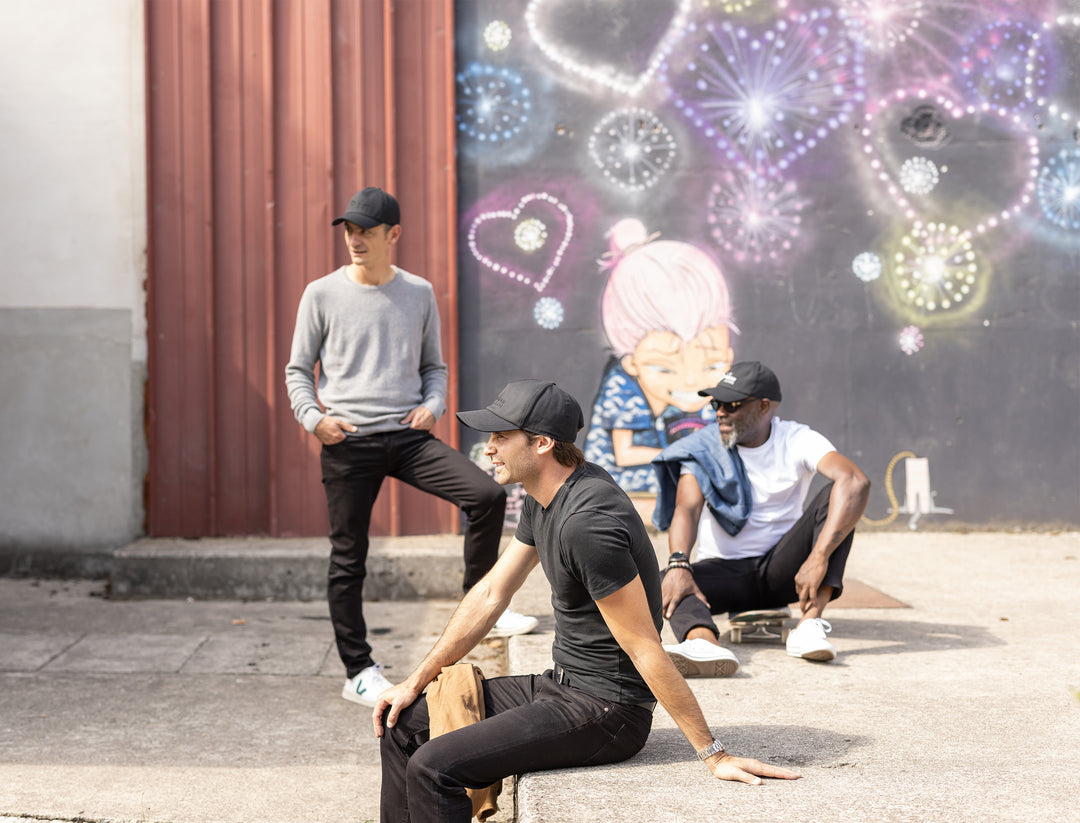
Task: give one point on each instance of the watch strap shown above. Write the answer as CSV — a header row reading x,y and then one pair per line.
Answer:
x,y
716,747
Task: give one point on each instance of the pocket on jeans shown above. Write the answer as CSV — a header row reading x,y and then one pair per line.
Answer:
x,y
624,741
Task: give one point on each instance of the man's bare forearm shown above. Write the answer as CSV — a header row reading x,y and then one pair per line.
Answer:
x,y
470,623
477,612
847,502
682,534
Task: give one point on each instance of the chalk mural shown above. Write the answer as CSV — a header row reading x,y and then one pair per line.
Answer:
x,y
667,318
879,198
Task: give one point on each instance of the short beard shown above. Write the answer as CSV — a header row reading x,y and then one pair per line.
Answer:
x,y
729,441
738,429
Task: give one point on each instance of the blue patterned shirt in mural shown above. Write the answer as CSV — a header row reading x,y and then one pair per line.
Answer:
x,y
622,405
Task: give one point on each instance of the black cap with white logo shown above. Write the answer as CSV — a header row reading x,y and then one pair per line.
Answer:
x,y
742,380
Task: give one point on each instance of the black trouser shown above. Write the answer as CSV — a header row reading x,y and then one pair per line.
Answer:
x,y
352,472
761,582
532,724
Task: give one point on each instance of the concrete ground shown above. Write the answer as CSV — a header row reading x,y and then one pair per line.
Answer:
x,y
961,706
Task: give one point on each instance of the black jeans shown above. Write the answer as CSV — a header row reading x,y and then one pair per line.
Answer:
x,y
532,723
761,582
352,472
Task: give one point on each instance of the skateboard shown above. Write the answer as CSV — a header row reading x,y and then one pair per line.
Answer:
x,y
759,624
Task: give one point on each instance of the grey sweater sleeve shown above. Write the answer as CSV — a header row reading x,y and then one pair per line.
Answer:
x,y
433,371
300,370
378,349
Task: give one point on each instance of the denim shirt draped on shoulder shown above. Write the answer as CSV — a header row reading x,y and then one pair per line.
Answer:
x,y
720,474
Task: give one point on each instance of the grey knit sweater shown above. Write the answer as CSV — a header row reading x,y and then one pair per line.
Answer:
x,y
378,351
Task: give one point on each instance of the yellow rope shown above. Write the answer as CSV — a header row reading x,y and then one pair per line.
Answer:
x,y
889,491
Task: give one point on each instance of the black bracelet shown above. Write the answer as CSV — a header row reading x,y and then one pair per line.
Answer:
x,y
679,564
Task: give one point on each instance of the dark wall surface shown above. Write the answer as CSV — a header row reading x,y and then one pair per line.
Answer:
x,y
879,200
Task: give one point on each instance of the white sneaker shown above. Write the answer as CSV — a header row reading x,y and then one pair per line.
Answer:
x,y
807,640
700,658
366,687
510,623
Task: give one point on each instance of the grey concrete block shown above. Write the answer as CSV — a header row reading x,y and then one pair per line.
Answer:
x,y
67,435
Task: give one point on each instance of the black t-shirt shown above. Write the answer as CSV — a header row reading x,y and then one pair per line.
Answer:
x,y
591,543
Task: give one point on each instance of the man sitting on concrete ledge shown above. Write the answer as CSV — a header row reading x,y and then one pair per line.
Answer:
x,y
737,492
596,705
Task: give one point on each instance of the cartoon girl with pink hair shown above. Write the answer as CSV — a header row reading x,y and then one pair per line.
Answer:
x,y
667,316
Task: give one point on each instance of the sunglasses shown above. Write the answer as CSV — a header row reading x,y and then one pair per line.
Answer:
x,y
730,406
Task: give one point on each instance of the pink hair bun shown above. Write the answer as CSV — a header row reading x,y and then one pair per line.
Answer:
x,y
626,233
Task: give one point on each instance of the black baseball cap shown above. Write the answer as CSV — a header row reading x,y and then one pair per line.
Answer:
x,y
534,406
742,380
371,207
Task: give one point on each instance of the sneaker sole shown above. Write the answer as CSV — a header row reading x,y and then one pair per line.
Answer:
x,y
820,655
689,667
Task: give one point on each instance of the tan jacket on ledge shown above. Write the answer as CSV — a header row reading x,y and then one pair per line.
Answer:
x,y
455,700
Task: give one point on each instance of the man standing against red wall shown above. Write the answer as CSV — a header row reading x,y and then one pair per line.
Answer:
x,y
373,328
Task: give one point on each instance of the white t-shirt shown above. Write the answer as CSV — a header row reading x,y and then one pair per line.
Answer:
x,y
780,471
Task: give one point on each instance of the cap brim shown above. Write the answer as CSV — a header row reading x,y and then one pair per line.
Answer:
x,y
357,219
483,420
723,394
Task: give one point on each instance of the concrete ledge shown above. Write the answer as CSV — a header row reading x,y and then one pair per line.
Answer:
x,y
547,797
248,569
938,694
252,568
401,568
48,561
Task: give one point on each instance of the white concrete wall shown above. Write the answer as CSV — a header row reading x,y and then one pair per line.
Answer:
x,y
72,278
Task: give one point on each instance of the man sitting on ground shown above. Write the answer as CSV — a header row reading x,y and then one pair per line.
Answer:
x,y
737,492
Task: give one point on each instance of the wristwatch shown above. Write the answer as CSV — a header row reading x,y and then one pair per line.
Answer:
x,y
678,557
716,747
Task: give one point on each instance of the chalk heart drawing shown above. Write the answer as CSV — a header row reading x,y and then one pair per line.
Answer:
x,y
496,228
1009,184
570,35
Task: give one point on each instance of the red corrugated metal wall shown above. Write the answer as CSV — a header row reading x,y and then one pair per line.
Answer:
x,y
264,116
